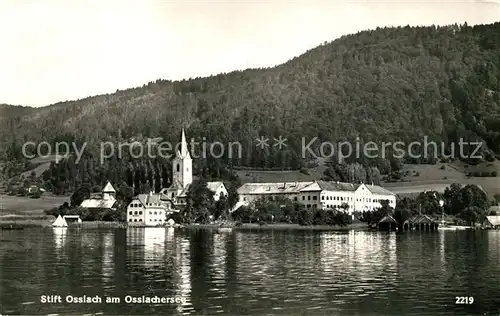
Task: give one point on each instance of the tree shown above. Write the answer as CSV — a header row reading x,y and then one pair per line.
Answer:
x,y
221,208
472,215
305,217
201,201
96,188
81,194
401,215
452,199
344,206
472,196
497,198
386,209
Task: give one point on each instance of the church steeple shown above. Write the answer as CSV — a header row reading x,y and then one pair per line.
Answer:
x,y
182,164
184,153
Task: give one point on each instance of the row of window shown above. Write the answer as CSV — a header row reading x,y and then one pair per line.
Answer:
x,y
314,197
140,213
151,220
133,205
337,206
336,198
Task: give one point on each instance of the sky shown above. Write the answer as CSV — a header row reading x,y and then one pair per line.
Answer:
x,y
58,50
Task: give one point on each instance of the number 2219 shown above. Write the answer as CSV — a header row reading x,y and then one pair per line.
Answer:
x,y
465,300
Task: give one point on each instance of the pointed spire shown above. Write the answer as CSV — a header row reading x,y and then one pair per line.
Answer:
x,y
184,150
108,188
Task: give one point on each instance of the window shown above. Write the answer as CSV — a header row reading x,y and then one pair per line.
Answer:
x,y
130,213
140,212
178,168
295,198
244,199
315,197
303,198
135,220
140,219
322,198
135,213
130,220
308,197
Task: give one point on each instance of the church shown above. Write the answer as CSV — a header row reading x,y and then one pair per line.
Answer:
x,y
182,177
182,174
152,209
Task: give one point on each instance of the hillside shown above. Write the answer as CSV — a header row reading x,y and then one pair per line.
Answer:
x,y
390,84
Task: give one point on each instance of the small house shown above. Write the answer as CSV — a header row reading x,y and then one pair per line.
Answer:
x,y
106,199
218,189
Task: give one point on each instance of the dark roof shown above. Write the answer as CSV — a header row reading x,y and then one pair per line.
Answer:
x,y
388,219
337,186
422,219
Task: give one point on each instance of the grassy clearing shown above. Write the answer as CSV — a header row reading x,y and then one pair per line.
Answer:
x,y
39,170
280,176
23,205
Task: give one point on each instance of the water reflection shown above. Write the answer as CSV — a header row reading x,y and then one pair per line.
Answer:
x,y
442,247
59,237
183,268
252,272
154,246
108,265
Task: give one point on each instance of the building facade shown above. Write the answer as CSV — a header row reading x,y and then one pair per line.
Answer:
x,y
320,195
149,210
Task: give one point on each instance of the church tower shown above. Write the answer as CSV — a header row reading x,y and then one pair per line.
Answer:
x,y
182,164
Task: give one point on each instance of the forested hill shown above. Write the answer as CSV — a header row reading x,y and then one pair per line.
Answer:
x,y
390,84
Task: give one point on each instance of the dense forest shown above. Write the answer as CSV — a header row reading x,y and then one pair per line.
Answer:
x,y
388,84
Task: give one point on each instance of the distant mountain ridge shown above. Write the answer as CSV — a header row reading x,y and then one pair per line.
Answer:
x,y
386,84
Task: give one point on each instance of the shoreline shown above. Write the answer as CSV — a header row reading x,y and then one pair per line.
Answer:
x,y
281,226
247,226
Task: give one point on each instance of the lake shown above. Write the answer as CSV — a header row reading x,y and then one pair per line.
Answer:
x,y
242,272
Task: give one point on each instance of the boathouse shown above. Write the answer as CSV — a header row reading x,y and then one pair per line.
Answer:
x,y
387,223
423,222
72,218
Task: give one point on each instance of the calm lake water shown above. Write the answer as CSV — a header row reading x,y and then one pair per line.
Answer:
x,y
269,272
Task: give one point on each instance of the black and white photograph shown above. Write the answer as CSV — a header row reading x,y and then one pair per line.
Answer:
x,y
257,157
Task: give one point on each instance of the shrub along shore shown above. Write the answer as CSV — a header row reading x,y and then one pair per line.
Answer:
x,y
44,223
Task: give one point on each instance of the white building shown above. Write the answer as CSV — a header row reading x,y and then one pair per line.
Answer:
x,y
218,188
250,192
320,194
149,210
182,178
106,199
